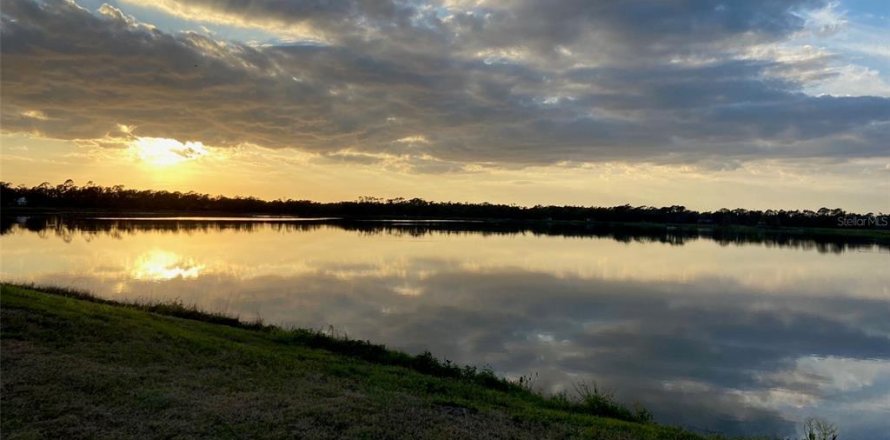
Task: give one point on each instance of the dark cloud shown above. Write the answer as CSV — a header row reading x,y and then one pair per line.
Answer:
x,y
508,83
635,30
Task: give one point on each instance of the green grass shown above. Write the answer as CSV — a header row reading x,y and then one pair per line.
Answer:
x,y
74,366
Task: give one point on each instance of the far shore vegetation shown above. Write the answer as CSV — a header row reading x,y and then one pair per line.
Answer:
x,y
78,366
69,197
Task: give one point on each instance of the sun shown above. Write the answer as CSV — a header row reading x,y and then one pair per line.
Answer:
x,y
163,152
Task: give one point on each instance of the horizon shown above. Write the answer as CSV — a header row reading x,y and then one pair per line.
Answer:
x,y
679,210
768,105
399,199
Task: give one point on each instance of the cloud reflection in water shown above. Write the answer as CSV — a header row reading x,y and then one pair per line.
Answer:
x,y
740,338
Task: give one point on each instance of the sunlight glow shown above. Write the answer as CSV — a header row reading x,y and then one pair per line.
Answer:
x,y
158,265
165,152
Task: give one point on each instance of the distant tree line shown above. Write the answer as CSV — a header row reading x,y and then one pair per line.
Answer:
x,y
67,195
67,227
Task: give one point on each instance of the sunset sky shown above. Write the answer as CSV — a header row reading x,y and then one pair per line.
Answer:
x,y
709,104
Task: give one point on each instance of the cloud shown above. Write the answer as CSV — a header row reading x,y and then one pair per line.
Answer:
x,y
161,151
851,80
320,21
506,83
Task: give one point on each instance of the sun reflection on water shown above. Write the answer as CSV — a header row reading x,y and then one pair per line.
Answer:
x,y
159,265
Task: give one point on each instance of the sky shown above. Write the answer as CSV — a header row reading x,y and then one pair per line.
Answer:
x,y
708,104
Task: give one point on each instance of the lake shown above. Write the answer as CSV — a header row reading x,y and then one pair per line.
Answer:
x,y
709,330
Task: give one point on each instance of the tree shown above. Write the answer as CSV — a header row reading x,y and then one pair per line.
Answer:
x,y
815,428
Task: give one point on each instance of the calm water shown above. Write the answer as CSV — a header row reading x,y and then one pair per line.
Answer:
x,y
745,335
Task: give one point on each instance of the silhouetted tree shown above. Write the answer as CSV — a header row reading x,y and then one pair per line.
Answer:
x,y
93,197
819,429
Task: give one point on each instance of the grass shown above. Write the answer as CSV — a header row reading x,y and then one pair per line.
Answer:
x,y
76,366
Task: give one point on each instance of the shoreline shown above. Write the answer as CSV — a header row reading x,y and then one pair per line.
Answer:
x,y
81,328
877,236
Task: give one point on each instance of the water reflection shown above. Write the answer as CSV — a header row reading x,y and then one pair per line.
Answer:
x,y
65,226
711,335
161,265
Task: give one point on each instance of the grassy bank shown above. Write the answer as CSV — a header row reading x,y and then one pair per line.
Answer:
x,y
74,366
